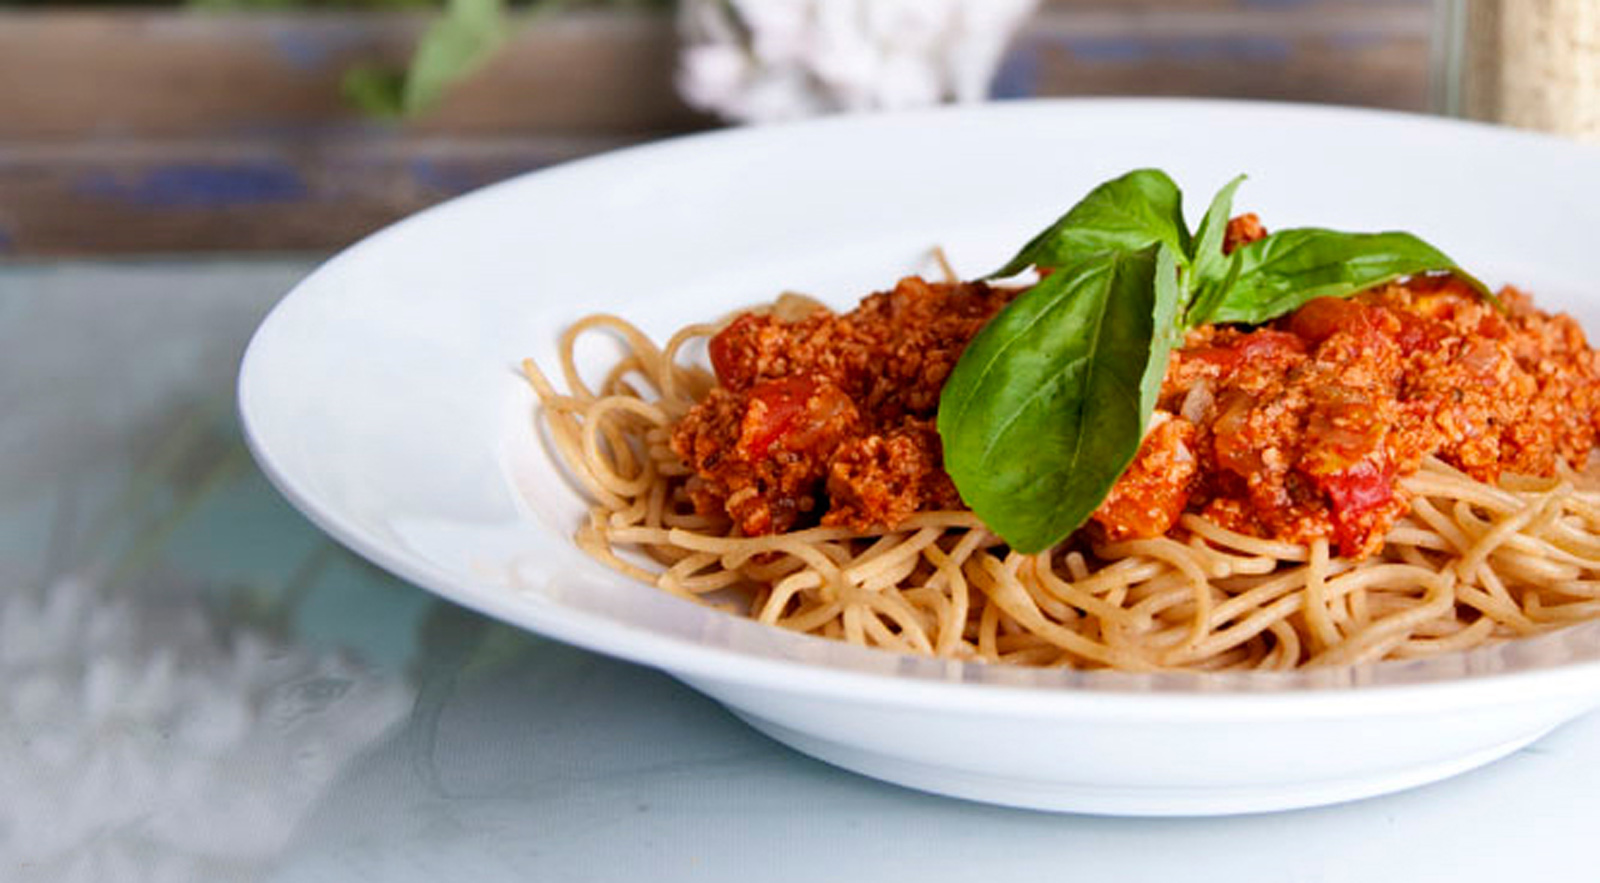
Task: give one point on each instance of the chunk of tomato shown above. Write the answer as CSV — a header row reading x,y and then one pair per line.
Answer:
x,y
774,411
1356,494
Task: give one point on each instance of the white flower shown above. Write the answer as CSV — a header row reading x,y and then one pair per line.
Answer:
x,y
141,743
768,60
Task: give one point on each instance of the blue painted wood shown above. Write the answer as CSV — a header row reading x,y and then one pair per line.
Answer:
x,y
195,185
137,131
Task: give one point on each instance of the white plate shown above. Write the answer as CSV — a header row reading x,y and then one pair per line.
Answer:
x,y
382,398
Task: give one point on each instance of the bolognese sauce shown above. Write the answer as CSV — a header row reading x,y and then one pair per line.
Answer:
x,y
830,419
1295,430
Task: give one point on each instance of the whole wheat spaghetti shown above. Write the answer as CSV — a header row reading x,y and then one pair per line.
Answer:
x,y
1470,563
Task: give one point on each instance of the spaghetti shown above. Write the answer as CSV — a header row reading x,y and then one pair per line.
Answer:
x,y
1469,563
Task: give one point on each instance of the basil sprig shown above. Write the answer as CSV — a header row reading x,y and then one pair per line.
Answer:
x,y
1049,402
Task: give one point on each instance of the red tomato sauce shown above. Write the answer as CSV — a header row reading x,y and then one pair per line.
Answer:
x,y
1295,430
1304,428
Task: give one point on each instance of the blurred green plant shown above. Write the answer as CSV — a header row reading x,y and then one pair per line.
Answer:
x,y
272,5
461,42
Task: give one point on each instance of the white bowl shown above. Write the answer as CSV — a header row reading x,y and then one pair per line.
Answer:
x,y
381,396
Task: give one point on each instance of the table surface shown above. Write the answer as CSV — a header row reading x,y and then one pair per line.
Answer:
x,y
198,685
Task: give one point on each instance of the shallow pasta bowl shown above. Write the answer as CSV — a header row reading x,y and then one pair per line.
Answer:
x,y
382,397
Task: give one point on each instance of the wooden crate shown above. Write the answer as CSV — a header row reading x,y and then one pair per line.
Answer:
x,y
137,131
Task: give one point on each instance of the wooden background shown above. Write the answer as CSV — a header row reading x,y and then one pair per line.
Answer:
x,y
145,131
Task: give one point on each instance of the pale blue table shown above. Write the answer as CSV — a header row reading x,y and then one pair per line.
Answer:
x,y
198,686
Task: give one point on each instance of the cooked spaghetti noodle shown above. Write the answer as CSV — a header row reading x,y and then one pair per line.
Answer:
x,y
1471,562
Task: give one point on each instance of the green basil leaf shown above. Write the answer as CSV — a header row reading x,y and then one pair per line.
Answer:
x,y
1128,213
1213,272
1046,407
1278,274
1165,334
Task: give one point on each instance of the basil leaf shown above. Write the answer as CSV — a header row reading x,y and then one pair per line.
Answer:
x,y
1046,407
1278,274
1129,213
1165,334
1213,272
